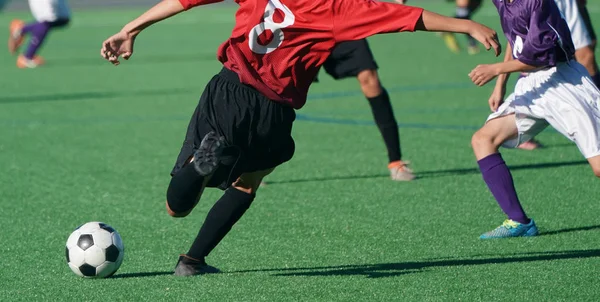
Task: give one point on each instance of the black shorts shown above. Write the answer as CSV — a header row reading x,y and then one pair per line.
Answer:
x,y
349,58
586,20
257,130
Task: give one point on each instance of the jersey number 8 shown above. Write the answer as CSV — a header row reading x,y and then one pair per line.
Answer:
x,y
274,27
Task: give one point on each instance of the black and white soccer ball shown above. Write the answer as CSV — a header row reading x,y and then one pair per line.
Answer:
x,y
94,250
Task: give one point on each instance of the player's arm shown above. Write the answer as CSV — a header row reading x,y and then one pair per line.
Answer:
x,y
358,19
503,77
484,73
497,97
121,44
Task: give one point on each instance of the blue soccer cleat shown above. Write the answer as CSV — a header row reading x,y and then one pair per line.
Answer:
x,y
511,228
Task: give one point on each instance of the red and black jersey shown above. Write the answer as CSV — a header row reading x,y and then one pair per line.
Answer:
x,y
277,46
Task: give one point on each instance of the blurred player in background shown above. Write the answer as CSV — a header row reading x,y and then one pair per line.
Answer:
x,y
582,5
241,129
49,15
464,10
556,91
582,33
355,59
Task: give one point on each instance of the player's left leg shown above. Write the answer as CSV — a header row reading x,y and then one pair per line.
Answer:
x,y
224,214
355,59
497,176
383,113
189,182
595,164
586,57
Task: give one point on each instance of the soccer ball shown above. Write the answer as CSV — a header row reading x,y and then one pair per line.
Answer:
x,y
94,250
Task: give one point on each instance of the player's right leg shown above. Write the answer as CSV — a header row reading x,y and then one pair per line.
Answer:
x,y
224,214
497,176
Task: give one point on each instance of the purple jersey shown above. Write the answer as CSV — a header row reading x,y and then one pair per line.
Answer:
x,y
535,29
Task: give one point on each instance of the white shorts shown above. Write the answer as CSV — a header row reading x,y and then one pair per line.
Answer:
x,y
49,10
565,98
579,33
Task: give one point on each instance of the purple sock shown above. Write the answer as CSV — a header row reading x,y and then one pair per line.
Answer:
x,y
38,31
596,79
500,182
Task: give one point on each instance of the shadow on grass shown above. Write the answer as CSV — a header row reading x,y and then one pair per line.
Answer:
x,y
569,230
140,275
402,268
432,174
81,96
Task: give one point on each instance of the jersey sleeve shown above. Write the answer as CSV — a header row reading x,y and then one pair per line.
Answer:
x,y
358,19
187,4
543,40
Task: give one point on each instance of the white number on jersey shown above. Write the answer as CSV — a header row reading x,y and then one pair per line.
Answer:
x,y
270,24
518,47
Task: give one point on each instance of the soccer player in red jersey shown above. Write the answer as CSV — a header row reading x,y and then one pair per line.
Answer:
x,y
241,129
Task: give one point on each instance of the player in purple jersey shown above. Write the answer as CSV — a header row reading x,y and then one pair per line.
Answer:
x,y
583,37
557,91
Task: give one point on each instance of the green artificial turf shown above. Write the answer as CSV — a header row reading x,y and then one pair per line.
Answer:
x,y
82,141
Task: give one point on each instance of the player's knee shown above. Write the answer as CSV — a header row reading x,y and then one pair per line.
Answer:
x,y
369,81
250,182
479,139
596,171
245,186
175,213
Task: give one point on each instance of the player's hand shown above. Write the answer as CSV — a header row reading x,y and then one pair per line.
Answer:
x,y
401,1
119,45
497,98
486,36
482,74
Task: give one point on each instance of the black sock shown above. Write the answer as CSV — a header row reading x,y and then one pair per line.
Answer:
x,y
184,188
221,217
385,120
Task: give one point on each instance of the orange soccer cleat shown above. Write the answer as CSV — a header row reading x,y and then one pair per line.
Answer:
x,y
15,38
23,62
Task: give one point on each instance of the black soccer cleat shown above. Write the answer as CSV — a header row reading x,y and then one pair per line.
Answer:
x,y
207,158
187,266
